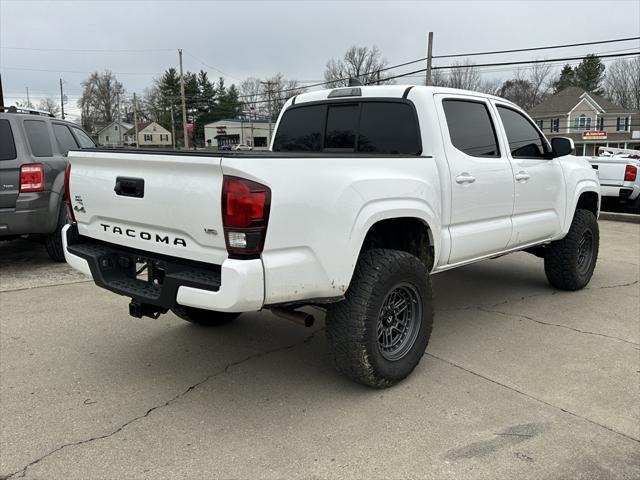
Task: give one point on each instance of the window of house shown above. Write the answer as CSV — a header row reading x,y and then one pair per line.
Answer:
x,y
588,126
555,125
524,139
164,137
600,124
259,141
7,144
116,128
540,124
64,138
38,137
622,124
470,128
106,138
148,137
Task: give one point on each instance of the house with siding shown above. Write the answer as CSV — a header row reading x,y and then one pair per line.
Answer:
x,y
113,134
590,120
150,134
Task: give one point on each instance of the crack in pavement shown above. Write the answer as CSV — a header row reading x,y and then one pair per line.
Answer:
x,y
526,297
23,471
519,315
513,389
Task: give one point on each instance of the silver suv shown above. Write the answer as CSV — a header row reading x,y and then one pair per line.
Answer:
x,y
33,150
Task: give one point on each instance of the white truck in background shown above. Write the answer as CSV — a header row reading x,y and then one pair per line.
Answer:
x,y
618,174
366,192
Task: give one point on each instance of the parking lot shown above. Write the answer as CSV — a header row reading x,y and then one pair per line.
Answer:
x,y
519,381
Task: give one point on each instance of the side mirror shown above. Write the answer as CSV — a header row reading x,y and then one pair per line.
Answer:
x,y
561,146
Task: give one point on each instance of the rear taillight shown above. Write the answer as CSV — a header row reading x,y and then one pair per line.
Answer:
x,y
67,195
630,173
32,177
245,215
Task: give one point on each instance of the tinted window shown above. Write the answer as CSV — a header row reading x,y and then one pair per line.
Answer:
x,y
38,137
64,138
300,130
7,145
342,124
470,128
83,139
524,139
370,127
387,127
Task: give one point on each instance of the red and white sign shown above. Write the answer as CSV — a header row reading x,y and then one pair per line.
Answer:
x,y
594,135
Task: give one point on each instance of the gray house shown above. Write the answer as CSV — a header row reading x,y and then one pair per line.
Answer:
x,y
113,134
590,120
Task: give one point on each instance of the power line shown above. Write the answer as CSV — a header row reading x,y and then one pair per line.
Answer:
x,y
568,45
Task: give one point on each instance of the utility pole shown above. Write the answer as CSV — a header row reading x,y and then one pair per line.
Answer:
x,y
118,119
429,58
135,117
173,129
28,101
1,94
268,84
184,103
61,100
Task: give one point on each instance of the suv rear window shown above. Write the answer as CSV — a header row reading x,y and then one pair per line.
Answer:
x,y
379,127
7,145
38,136
64,137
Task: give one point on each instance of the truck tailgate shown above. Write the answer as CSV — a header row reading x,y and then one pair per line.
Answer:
x,y
168,204
610,170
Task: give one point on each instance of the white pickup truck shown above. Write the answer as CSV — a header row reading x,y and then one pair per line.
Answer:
x,y
618,174
366,192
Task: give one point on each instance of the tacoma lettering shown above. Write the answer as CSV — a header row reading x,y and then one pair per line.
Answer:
x,y
130,232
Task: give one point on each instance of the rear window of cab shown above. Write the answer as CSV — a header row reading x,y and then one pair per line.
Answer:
x,y
388,127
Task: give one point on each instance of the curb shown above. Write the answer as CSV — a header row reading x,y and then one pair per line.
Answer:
x,y
620,217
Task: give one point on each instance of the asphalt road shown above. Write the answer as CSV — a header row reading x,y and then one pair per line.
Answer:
x,y
519,381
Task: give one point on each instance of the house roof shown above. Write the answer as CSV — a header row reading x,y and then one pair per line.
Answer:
x,y
122,124
141,126
238,120
563,102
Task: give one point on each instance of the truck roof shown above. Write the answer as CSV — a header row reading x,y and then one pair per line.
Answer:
x,y
385,91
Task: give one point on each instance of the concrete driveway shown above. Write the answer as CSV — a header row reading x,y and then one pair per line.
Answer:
x,y
519,381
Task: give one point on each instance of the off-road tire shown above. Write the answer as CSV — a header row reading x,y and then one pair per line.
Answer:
x,y
352,324
562,263
204,318
53,242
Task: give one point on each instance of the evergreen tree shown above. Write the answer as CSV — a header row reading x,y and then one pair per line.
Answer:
x,y
590,74
567,79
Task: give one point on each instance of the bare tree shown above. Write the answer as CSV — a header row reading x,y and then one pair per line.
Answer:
x,y
99,99
362,63
276,91
251,94
49,105
622,83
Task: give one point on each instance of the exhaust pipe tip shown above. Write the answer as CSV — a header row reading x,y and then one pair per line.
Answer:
x,y
295,316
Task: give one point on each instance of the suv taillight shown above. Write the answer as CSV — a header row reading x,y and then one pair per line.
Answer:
x,y
245,215
32,177
67,195
630,173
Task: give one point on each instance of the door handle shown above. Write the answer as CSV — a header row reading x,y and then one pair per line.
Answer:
x,y
522,176
464,177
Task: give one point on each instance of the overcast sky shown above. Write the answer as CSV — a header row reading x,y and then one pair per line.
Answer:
x,y
261,38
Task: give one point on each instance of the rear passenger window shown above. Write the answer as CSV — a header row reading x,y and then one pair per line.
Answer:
x,y
342,125
470,128
390,128
524,139
7,145
83,139
64,137
38,137
300,130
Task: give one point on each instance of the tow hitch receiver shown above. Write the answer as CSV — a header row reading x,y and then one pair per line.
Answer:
x,y
139,310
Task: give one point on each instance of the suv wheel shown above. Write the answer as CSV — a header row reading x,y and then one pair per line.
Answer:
x,y
53,242
205,318
379,333
569,263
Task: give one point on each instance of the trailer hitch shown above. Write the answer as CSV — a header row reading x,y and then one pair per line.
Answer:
x,y
139,310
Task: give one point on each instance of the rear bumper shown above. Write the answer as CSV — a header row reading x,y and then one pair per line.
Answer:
x,y
32,214
626,192
234,286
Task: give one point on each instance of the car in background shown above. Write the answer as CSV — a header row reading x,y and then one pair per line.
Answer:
x,y
241,147
619,177
223,148
33,150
